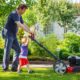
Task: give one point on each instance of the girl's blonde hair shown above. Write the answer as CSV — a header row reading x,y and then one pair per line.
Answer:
x,y
24,39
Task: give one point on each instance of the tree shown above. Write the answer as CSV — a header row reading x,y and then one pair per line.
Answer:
x,y
29,17
52,10
66,12
5,8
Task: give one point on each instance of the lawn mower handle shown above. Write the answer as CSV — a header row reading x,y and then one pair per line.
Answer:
x,y
56,58
59,66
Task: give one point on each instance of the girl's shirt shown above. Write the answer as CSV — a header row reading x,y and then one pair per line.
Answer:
x,y
24,51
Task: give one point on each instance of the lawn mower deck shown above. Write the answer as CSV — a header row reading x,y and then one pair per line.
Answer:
x,y
74,64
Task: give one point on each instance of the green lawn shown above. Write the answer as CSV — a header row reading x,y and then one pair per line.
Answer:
x,y
39,74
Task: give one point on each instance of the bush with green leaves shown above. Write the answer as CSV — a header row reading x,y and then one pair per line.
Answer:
x,y
1,53
1,47
1,42
30,18
49,41
70,45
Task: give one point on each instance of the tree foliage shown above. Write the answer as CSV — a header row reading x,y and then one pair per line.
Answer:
x,y
29,17
52,10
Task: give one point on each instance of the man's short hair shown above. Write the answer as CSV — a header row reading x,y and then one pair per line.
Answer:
x,y
22,6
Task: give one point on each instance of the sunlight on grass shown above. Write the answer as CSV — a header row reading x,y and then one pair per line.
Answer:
x,y
39,74
41,69
8,74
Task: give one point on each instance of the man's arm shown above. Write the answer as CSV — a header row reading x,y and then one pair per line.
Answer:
x,y
23,26
26,26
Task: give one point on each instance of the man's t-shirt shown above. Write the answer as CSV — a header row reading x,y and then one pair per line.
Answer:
x,y
11,26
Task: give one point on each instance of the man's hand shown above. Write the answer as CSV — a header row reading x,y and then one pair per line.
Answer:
x,y
31,35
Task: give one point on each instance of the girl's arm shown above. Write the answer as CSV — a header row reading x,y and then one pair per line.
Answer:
x,y
27,42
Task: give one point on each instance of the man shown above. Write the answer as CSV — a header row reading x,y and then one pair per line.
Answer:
x,y
10,30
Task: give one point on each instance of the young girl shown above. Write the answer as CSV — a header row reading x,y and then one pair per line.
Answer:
x,y
23,60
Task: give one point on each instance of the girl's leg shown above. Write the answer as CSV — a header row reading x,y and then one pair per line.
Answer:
x,y
28,68
19,67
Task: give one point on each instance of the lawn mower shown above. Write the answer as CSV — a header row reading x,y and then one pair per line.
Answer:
x,y
59,66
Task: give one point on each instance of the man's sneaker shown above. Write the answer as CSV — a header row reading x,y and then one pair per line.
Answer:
x,y
5,70
13,70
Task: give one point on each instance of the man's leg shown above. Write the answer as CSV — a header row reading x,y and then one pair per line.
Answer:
x,y
6,56
16,47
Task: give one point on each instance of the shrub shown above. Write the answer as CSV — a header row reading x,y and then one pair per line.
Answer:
x,y
64,55
1,53
1,48
50,42
1,42
70,44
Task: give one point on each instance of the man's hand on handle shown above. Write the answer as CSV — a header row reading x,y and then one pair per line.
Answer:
x,y
25,27
31,35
